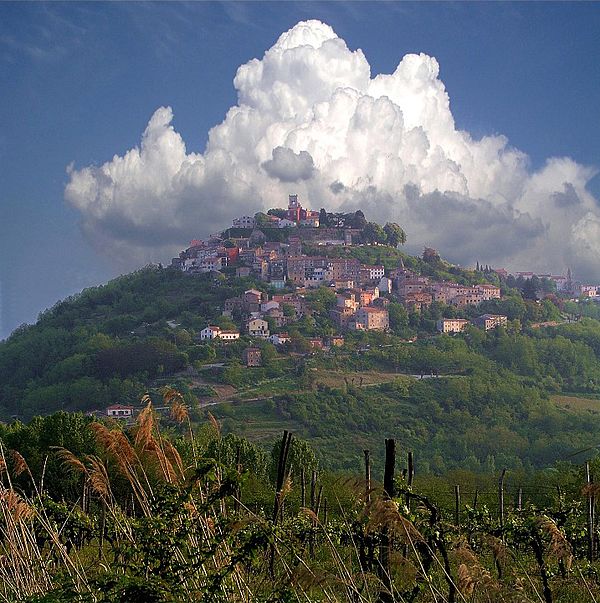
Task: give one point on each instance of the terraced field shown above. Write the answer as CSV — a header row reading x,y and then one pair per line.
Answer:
x,y
577,403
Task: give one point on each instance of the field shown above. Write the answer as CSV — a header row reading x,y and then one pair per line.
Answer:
x,y
577,403
355,378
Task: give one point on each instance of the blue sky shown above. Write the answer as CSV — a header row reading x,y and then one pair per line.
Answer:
x,y
79,82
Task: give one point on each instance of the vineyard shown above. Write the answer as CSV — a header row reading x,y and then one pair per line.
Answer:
x,y
150,517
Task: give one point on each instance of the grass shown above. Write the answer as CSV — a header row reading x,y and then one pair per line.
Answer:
x,y
158,526
254,420
577,403
337,379
268,388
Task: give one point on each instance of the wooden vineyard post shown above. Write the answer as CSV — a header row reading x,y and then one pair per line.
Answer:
x,y
313,507
410,474
475,496
501,498
302,488
590,515
367,476
281,471
593,505
520,500
390,467
385,550
238,467
364,561
457,506
318,504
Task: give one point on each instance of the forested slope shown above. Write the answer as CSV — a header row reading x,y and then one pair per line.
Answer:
x,y
487,399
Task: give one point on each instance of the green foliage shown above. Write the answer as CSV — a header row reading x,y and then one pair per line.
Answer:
x,y
231,450
321,299
107,342
208,532
398,318
484,398
323,219
374,233
113,343
394,234
301,456
37,441
152,357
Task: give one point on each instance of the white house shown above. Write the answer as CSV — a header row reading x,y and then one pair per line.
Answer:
x,y
279,338
318,276
257,327
210,332
452,325
491,321
119,411
210,264
229,335
375,272
244,222
285,223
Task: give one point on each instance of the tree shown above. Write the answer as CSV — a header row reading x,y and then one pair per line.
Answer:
x,y
373,233
257,237
36,442
321,299
431,256
301,456
358,220
289,311
530,288
233,374
299,343
398,317
261,219
395,235
183,338
323,219
279,212
271,322
232,449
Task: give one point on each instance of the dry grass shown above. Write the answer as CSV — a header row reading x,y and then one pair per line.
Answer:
x,y
300,553
337,379
576,403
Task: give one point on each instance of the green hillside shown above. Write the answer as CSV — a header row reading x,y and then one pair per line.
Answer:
x,y
105,344
487,400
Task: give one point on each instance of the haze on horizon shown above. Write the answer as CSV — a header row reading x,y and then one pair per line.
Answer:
x,y
316,115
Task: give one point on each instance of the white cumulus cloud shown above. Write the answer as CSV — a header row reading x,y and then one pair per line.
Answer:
x,y
311,119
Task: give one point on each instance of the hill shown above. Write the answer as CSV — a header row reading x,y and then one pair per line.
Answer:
x,y
488,399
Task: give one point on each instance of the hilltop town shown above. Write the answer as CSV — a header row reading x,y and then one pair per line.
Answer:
x,y
296,250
